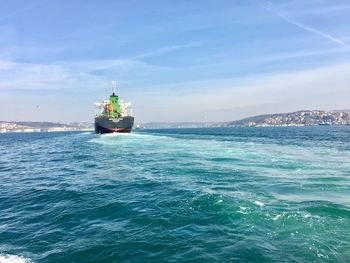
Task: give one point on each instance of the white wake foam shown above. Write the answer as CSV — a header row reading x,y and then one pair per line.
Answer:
x,y
259,203
13,259
109,138
130,135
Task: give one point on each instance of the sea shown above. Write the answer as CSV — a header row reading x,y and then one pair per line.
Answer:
x,y
277,194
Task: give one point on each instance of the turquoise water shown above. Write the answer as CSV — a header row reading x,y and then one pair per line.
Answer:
x,y
194,195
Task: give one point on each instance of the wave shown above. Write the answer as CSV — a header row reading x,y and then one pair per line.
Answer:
x,y
13,259
86,133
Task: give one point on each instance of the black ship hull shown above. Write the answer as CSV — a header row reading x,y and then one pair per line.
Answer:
x,y
104,124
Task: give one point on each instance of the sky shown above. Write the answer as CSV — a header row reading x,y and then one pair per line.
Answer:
x,y
173,60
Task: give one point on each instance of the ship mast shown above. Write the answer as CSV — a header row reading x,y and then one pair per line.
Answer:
x,y
114,86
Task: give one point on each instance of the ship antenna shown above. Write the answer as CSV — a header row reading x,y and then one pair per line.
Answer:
x,y
114,85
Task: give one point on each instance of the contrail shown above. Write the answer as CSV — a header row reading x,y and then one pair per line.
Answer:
x,y
168,49
271,8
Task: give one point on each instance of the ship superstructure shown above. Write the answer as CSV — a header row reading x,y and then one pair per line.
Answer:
x,y
114,115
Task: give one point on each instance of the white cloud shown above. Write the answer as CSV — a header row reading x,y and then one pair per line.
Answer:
x,y
66,75
30,76
221,100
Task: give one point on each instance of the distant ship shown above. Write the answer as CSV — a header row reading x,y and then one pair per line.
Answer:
x,y
114,115
139,127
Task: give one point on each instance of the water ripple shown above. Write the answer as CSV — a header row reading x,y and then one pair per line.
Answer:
x,y
264,195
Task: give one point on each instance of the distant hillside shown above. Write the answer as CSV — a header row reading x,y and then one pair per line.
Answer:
x,y
39,125
172,125
298,118
346,111
29,126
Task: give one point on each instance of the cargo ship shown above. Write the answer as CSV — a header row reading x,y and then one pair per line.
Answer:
x,y
113,115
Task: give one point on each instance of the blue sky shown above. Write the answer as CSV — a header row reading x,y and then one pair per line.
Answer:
x,y
174,60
